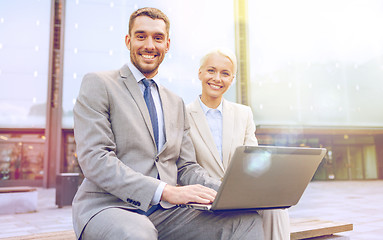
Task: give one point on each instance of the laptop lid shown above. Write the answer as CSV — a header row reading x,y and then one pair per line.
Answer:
x,y
267,177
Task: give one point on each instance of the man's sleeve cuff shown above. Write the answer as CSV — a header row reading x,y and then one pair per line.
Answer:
x,y
157,195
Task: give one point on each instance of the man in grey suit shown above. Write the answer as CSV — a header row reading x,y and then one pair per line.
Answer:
x,y
137,158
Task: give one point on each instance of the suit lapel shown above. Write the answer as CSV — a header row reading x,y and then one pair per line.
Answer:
x,y
132,86
166,111
202,126
227,131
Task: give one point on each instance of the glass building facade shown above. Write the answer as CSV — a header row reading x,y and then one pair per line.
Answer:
x,y
314,70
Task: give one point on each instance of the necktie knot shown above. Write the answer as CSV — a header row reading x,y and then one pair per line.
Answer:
x,y
147,82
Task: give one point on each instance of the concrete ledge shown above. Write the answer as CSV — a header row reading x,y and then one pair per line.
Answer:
x,y
18,200
310,228
61,235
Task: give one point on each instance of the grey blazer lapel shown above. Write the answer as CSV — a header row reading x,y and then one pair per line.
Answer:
x,y
227,131
132,86
166,111
202,126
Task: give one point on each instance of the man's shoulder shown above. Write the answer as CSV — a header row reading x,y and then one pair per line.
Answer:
x,y
170,94
103,74
106,77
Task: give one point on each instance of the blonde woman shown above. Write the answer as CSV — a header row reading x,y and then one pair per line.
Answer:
x,y
218,126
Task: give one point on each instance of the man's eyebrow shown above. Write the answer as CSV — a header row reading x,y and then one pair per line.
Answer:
x,y
139,31
142,31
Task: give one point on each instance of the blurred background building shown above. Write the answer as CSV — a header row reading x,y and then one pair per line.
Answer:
x,y
312,71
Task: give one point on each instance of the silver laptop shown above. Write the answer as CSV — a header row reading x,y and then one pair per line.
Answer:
x,y
265,177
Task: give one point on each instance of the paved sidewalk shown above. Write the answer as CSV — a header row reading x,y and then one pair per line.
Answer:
x,y
357,202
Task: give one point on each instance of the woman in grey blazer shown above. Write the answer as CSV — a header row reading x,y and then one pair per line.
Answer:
x,y
218,126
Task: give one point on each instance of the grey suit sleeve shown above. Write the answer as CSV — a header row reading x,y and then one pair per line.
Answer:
x,y
96,147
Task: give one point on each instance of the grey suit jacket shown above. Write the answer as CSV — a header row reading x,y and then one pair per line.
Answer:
x,y
237,129
116,148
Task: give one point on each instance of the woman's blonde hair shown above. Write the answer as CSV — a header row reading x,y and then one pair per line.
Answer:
x,y
224,52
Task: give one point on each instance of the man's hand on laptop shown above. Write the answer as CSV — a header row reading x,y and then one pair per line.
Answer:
x,y
186,194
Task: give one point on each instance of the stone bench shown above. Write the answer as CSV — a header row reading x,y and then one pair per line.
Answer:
x,y
300,229
18,200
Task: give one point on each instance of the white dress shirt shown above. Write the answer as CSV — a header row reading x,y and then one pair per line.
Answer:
x,y
161,127
214,119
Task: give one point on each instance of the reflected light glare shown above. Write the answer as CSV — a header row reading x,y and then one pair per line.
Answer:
x,y
1,20
110,52
1,45
35,74
111,4
257,164
36,48
74,101
3,138
76,25
34,100
37,22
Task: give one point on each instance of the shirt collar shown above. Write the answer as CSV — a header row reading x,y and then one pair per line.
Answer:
x,y
138,75
205,108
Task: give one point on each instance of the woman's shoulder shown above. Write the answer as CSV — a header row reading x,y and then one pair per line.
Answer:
x,y
236,106
192,106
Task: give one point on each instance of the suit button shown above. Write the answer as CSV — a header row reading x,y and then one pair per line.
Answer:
x,y
157,158
138,204
129,200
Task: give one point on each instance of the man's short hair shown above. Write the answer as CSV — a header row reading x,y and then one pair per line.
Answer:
x,y
153,13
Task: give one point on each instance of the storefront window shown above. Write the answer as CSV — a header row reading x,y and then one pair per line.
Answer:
x,y
22,156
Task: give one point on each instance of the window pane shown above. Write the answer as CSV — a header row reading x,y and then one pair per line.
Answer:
x,y
95,33
21,156
24,61
315,63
